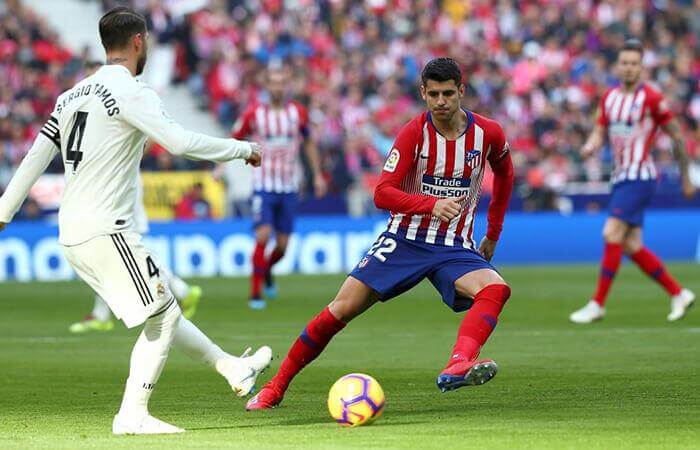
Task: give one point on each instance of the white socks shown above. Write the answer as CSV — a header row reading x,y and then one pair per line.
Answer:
x,y
196,344
178,287
100,310
148,359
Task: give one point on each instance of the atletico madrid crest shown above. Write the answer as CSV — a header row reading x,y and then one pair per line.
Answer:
x,y
473,158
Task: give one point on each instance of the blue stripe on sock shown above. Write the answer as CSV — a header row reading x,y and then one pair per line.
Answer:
x,y
490,320
306,339
607,273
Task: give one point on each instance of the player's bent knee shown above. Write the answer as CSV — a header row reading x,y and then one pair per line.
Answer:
x,y
471,284
632,247
353,299
163,322
614,232
263,233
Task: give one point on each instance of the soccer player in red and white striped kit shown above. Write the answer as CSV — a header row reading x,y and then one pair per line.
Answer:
x,y
431,184
281,125
631,114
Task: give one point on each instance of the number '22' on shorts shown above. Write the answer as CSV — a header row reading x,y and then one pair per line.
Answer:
x,y
394,264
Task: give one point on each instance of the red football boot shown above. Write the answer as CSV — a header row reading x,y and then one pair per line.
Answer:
x,y
268,397
466,373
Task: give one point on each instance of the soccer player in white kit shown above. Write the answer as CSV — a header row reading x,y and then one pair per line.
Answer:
x,y
99,127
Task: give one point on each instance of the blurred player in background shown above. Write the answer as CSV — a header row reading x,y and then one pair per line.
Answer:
x,y
631,114
431,183
281,125
100,319
99,127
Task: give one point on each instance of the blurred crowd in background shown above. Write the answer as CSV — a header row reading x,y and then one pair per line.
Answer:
x,y
538,67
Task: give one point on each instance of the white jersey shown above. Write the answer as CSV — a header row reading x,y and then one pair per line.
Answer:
x,y
99,127
141,225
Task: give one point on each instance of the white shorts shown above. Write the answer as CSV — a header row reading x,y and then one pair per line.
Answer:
x,y
124,273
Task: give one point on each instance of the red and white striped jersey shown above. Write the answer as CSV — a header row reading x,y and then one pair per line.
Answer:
x,y
632,120
281,132
441,168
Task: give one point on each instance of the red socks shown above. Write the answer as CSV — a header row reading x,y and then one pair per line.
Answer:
x,y
652,266
479,322
259,270
274,257
612,255
644,258
262,267
307,347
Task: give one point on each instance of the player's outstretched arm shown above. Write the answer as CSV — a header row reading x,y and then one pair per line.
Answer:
x,y
33,165
144,111
673,129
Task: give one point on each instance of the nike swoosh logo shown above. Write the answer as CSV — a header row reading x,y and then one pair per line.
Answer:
x,y
423,157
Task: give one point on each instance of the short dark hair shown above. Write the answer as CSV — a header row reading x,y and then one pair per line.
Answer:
x,y
441,69
119,25
633,45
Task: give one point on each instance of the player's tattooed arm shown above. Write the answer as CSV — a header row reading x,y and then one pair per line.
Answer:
x,y
673,129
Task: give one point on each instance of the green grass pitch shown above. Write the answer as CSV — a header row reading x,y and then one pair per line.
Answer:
x,y
631,381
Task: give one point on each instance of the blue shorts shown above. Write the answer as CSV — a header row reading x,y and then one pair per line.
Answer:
x,y
393,265
276,209
629,199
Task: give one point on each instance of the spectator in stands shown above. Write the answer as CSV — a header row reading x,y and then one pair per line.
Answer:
x,y
193,205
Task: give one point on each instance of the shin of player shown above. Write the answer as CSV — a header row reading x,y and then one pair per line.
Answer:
x,y
430,184
625,114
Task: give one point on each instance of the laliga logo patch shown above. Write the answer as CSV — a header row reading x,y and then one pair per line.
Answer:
x,y
392,161
363,262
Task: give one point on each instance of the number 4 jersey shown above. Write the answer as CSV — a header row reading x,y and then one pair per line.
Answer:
x,y
100,127
424,166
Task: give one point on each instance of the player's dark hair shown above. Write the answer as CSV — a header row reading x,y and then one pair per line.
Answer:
x,y
119,25
441,69
633,45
